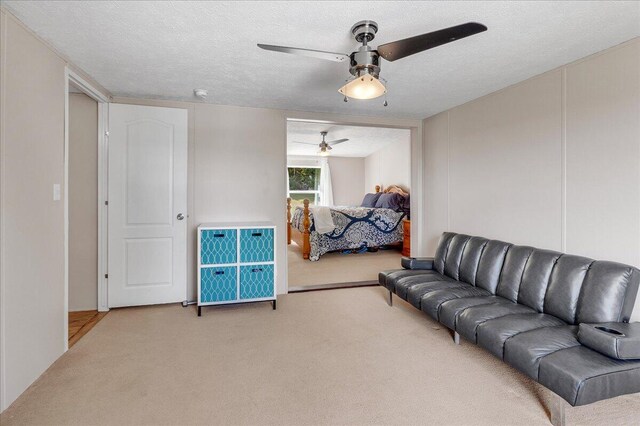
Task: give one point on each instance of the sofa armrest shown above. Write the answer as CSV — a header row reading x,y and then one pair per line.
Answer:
x,y
617,340
417,262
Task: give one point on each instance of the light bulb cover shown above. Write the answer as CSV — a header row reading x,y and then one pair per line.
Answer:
x,y
365,86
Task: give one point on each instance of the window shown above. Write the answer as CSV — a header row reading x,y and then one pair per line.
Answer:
x,y
304,182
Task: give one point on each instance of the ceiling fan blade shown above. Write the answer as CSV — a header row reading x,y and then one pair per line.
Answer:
x,y
337,141
305,143
412,45
318,54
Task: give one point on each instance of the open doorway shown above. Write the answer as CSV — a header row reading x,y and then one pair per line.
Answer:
x,y
83,215
348,213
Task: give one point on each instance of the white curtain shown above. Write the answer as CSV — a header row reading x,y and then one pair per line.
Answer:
x,y
288,187
326,190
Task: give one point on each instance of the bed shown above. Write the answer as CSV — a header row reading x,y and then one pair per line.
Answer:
x,y
356,228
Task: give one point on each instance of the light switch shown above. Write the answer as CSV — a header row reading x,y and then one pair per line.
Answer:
x,y
56,192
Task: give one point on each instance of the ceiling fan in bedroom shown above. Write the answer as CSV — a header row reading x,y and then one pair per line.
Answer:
x,y
325,146
364,63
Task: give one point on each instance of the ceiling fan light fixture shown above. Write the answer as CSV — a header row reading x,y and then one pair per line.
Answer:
x,y
365,86
364,63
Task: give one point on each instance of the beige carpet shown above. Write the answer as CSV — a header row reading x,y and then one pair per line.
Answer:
x,y
330,357
338,268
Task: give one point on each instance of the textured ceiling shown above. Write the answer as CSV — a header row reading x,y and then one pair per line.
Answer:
x,y
362,142
166,49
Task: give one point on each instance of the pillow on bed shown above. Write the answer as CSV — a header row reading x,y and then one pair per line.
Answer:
x,y
406,206
391,201
370,200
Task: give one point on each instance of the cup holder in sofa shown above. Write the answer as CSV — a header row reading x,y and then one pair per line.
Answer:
x,y
610,331
621,342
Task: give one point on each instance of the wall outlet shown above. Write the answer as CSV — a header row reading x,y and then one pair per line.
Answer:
x,y
56,192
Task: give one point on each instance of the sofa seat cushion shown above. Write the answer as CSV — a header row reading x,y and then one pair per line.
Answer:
x,y
493,334
431,302
389,278
525,350
415,293
581,375
383,276
450,309
403,285
470,319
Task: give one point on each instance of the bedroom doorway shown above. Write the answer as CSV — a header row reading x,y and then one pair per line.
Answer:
x,y
348,203
86,112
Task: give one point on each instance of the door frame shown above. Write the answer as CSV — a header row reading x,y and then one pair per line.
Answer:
x,y
103,138
415,128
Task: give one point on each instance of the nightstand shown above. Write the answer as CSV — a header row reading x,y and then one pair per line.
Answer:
x,y
406,242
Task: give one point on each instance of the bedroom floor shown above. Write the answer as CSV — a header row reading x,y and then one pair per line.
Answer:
x,y
339,268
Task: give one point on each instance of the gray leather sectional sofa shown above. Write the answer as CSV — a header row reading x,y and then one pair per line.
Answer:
x,y
532,308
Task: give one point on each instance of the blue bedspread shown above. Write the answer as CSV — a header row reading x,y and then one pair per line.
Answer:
x,y
356,227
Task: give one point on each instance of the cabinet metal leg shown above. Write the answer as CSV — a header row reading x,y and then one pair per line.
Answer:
x,y
199,311
274,304
390,301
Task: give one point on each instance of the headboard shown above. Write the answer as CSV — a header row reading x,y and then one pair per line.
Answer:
x,y
392,189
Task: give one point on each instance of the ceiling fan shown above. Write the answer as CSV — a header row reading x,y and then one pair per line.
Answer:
x,y
365,62
325,146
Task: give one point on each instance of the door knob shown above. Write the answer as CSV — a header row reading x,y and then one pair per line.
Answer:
x,y
180,216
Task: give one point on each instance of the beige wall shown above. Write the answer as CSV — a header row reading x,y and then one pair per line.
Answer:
x,y
83,203
390,165
347,176
32,293
436,179
553,161
505,164
32,223
239,172
603,156
347,180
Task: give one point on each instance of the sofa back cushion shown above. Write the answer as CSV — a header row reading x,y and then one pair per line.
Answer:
x,y
454,255
441,251
512,272
535,278
608,293
564,288
573,288
471,259
490,265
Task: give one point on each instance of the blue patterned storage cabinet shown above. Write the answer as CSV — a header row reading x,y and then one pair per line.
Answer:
x,y
236,263
256,281
218,284
219,246
257,245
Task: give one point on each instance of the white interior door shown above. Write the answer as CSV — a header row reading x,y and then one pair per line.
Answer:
x,y
147,205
